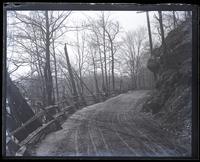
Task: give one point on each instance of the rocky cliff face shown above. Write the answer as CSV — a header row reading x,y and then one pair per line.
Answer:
x,y
171,102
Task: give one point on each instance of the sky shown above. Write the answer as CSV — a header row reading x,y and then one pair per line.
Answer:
x,y
129,20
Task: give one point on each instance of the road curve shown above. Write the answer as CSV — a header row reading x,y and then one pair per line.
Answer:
x,y
111,128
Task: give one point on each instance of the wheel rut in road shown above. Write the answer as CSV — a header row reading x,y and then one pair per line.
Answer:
x,y
111,128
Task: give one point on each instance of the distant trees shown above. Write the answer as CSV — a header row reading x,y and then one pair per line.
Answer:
x,y
80,52
102,57
133,43
96,47
93,51
112,32
95,43
95,60
103,35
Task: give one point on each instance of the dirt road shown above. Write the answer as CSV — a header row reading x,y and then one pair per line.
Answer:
x,y
112,128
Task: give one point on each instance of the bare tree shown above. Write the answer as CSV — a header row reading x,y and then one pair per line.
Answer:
x,y
174,19
95,38
42,29
47,68
93,49
105,31
55,69
81,57
75,94
103,25
112,31
149,32
162,31
132,48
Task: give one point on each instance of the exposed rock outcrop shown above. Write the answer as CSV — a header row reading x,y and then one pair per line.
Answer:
x,y
171,102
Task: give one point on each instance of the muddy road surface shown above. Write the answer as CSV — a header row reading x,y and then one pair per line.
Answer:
x,y
111,128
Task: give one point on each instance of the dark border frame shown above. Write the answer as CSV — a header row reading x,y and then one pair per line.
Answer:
x,y
120,7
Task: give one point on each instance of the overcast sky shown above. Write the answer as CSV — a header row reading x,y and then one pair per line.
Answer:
x,y
128,20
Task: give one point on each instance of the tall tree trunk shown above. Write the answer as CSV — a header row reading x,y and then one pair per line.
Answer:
x,y
104,51
162,32
132,81
174,19
120,85
149,32
102,70
43,89
56,75
95,76
75,94
109,74
113,61
82,87
47,70
101,62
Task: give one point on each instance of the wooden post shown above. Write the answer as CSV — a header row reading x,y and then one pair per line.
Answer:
x,y
50,117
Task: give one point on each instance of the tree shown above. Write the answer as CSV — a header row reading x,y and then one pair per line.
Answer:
x,y
55,69
38,31
103,25
95,42
47,68
81,57
162,31
150,39
93,49
104,33
112,31
132,48
75,94
149,32
174,19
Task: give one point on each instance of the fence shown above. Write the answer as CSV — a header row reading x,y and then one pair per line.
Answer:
x,y
57,114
